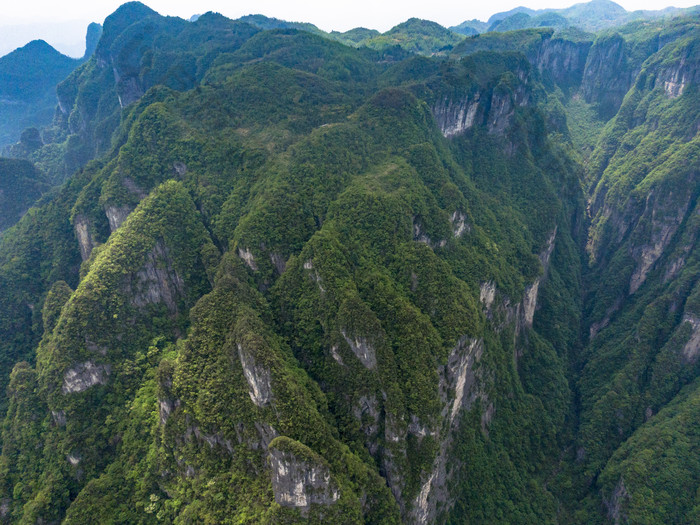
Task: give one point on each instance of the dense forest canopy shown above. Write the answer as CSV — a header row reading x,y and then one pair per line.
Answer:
x,y
257,273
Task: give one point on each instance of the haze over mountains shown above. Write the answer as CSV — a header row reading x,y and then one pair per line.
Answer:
x,y
252,272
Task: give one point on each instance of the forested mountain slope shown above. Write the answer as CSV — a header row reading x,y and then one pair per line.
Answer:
x,y
294,281
28,78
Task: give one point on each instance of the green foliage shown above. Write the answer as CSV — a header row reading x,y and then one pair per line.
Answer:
x,y
526,41
20,186
27,87
283,254
416,36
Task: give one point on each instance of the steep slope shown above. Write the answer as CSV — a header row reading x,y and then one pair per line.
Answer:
x,y
307,283
128,60
641,300
317,291
20,186
27,87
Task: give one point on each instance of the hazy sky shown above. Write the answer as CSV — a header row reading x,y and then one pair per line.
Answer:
x,y
63,23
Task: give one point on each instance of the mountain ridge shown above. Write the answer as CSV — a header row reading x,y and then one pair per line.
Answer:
x,y
287,280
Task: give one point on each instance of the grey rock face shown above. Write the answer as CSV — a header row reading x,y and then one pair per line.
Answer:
x,y
487,295
129,89
166,407
248,258
116,215
529,302
83,376
366,411
665,215
157,282
675,78
459,225
362,349
564,60
419,235
278,262
500,114
59,417
455,117
606,78
82,233
459,390
258,378
299,483
616,501
692,346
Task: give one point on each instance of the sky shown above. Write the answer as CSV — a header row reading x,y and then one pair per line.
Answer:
x,y
63,24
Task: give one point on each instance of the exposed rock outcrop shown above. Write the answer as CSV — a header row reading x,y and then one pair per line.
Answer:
x,y
616,502
665,212
315,276
419,235
81,225
459,225
606,76
83,376
157,282
116,215
676,77
166,407
691,349
458,390
366,411
529,302
299,477
258,377
59,417
564,60
494,108
248,258
362,349
487,295
455,117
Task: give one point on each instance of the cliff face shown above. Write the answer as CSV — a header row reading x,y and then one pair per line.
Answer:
x,y
564,60
607,76
642,302
491,104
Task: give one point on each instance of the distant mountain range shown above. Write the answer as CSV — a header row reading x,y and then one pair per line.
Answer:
x,y
28,78
590,16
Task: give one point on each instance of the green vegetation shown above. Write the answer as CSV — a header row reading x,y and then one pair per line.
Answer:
x,y
20,186
416,36
309,282
28,78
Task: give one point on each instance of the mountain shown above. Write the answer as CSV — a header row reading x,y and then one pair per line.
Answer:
x,y
94,32
28,78
414,36
264,22
524,21
470,27
281,279
588,16
20,186
27,89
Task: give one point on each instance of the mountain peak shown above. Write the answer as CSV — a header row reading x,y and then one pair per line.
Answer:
x,y
92,38
123,17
